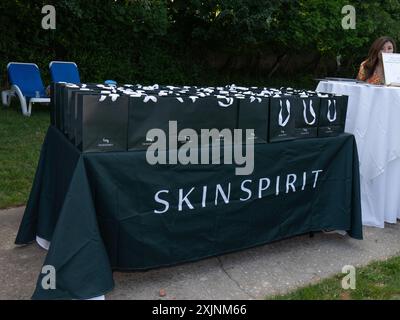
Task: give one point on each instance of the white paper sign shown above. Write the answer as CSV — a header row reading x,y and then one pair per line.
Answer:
x,y
391,67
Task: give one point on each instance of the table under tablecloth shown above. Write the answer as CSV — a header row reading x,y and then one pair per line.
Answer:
x,y
101,211
372,116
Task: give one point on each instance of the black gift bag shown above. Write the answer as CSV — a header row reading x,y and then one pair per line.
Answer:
x,y
56,94
333,112
282,119
65,107
254,114
306,112
53,104
147,113
75,117
102,122
212,113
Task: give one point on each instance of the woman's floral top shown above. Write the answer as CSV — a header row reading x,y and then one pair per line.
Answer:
x,y
374,79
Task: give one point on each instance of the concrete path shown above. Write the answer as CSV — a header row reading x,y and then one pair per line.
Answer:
x,y
251,274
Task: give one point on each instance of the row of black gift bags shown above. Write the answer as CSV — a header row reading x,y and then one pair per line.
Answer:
x,y
332,114
293,115
171,116
70,105
62,99
61,95
252,109
69,100
57,105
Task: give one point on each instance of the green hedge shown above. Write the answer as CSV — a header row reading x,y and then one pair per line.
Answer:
x,y
177,42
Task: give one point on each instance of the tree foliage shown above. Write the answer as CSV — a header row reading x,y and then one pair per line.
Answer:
x,y
173,41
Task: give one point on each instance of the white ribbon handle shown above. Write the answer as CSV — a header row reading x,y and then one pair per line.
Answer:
x,y
180,100
311,111
252,99
162,93
281,122
194,98
148,98
239,96
114,97
331,119
151,88
135,94
102,98
229,101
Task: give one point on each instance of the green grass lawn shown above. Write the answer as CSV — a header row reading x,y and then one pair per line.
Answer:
x,y
21,139
378,281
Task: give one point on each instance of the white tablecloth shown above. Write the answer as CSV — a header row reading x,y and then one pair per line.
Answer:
x,y
373,116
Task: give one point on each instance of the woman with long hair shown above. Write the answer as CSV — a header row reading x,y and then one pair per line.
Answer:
x,y
371,70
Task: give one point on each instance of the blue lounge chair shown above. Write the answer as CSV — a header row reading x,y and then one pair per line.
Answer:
x,y
62,71
26,84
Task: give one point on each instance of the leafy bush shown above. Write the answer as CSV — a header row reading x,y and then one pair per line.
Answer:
x,y
195,41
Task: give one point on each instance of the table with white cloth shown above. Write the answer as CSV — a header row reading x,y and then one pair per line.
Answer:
x,y
373,117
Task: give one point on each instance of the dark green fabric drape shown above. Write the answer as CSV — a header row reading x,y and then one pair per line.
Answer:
x,y
98,209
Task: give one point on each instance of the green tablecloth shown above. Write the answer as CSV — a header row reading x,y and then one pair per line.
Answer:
x,y
99,209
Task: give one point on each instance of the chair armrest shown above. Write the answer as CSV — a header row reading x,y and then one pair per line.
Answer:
x,y
6,97
16,90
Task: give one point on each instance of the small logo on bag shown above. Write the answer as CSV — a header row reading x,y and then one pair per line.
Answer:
x,y
105,143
